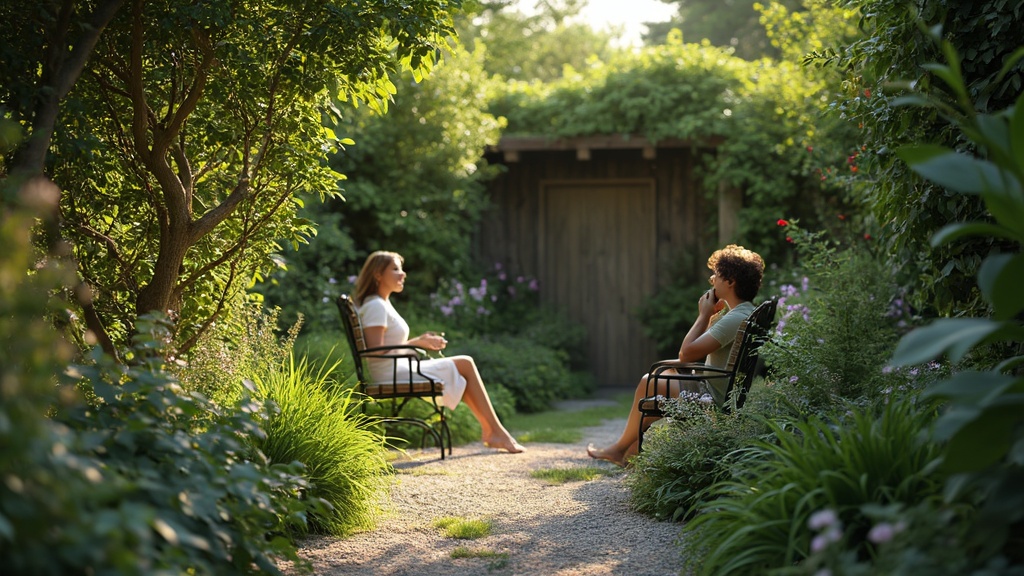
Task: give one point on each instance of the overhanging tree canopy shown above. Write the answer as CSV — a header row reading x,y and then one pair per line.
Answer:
x,y
195,130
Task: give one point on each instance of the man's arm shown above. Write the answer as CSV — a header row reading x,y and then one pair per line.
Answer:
x,y
698,343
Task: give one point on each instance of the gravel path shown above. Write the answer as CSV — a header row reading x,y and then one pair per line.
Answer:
x,y
572,529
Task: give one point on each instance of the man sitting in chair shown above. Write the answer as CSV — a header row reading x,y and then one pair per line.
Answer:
x,y
736,279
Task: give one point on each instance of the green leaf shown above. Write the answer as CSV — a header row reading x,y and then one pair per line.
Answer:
x,y
1000,279
1017,130
971,387
953,170
953,336
981,442
960,230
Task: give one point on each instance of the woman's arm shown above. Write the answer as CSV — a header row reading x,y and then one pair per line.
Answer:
x,y
374,336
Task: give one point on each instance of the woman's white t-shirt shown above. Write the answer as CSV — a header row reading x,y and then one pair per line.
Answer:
x,y
376,311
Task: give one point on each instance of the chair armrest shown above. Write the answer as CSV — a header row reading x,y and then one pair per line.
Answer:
x,y
696,371
660,367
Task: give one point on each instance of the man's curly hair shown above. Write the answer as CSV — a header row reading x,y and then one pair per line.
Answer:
x,y
737,264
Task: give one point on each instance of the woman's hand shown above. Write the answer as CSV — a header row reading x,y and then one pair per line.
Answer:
x,y
433,341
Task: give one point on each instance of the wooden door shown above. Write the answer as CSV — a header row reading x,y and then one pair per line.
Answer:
x,y
597,255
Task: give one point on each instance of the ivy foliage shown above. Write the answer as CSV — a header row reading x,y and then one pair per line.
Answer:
x,y
775,145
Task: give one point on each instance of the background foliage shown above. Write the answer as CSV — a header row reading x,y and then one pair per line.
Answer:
x,y
891,55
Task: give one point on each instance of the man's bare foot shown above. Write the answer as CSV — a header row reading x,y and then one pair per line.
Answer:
x,y
607,455
508,445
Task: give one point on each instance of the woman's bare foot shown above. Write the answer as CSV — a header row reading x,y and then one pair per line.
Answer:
x,y
508,444
607,455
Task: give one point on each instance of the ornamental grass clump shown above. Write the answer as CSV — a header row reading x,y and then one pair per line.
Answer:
x,y
759,520
321,427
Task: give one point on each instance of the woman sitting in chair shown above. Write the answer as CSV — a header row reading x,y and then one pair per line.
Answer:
x,y
382,276
736,278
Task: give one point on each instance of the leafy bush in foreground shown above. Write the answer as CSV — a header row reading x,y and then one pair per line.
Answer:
x,y
686,455
144,480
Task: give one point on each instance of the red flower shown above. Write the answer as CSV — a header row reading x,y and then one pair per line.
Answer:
x,y
867,236
867,93
810,148
842,216
782,222
788,239
853,168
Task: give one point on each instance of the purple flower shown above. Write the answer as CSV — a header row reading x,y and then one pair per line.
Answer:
x,y
456,301
447,310
794,379
351,279
881,533
534,286
481,311
332,280
502,276
512,291
805,284
497,265
520,279
821,519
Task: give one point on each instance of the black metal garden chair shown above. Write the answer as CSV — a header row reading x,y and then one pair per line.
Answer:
x,y
743,367
393,395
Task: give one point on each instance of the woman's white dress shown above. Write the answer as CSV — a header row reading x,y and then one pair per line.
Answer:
x,y
376,311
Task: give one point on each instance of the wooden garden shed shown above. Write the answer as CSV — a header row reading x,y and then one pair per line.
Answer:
x,y
601,222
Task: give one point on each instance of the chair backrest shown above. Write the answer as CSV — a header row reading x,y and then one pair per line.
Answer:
x,y
744,358
353,332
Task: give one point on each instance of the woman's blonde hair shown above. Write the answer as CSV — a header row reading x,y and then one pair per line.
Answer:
x,y
376,263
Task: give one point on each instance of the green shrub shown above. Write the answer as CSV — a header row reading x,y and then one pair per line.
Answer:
x,y
145,479
201,498
535,374
758,521
690,452
224,357
837,324
983,425
321,427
